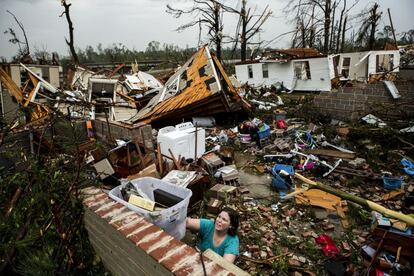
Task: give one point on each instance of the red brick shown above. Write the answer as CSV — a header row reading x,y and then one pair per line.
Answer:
x,y
130,229
177,256
136,237
159,252
99,204
91,200
124,218
109,209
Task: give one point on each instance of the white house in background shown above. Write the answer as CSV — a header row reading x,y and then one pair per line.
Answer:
x,y
299,69
360,66
305,69
49,72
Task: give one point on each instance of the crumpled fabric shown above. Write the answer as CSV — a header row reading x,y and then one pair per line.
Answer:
x,y
281,124
408,166
328,246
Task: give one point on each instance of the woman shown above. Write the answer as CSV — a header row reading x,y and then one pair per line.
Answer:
x,y
221,235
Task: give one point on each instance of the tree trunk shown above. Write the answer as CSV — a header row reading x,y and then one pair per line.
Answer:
x,y
243,41
361,201
331,39
327,26
374,20
343,34
340,28
70,43
303,33
217,30
312,30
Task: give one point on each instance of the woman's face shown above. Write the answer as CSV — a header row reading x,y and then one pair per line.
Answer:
x,y
222,221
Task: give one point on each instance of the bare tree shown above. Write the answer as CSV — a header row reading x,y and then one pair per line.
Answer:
x,y
208,13
15,39
341,20
247,28
317,24
370,20
70,43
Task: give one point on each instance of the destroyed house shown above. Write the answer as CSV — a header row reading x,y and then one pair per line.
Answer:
x,y
200,87
49,72
361,66
298,69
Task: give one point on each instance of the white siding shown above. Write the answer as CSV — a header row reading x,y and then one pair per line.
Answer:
x,y
360,70
54,76
15,74
320,79
284,73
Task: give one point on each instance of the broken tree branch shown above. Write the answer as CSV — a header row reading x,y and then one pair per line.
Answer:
x,y
70,43
361,201
24,32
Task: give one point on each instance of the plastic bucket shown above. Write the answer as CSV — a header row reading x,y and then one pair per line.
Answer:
x,y
172,219
278,182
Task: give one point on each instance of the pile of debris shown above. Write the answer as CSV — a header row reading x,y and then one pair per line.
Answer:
x,y
328,197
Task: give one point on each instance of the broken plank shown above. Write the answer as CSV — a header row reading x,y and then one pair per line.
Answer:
x,y
177,164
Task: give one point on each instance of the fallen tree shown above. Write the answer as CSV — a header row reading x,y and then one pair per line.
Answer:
x,y
362,201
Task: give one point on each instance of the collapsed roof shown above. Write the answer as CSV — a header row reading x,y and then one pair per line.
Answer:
x,y
200,87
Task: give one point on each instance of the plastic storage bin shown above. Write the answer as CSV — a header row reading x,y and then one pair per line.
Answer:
x,y
392,183
181,140
264,131
278,182
172,219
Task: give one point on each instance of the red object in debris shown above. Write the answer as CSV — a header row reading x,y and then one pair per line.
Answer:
x,y
281,124
328,246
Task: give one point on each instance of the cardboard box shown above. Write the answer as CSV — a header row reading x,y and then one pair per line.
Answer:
x,y
214,206
142,202
223,192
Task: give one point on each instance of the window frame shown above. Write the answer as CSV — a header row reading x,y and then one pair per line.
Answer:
x,y
300,67
265,65
250,71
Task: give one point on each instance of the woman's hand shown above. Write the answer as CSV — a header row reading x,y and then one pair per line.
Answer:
x,y
229,257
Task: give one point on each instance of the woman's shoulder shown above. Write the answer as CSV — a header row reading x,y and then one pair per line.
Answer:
x,y
206,224
206,221
232,239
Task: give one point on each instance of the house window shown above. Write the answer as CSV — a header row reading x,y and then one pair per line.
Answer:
x,y
250,71
265,70
302,70
346,62
384,63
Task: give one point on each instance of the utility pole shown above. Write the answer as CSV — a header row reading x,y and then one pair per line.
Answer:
x,y
392,27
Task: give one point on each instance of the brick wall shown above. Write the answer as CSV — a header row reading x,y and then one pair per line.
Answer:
x,y
130,245
350,103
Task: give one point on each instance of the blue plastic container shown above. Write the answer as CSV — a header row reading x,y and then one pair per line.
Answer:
x,y
264,131
278,182
391,183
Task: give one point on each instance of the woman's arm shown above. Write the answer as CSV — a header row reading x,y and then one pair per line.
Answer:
x,y
192,224
229,257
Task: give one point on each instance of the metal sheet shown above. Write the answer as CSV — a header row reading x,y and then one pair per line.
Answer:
x,y
392,89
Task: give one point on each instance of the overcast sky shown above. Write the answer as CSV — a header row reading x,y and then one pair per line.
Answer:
x,y
135,23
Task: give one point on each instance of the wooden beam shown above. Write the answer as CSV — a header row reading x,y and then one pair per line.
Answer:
x,y
11,86
361,201
177,164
